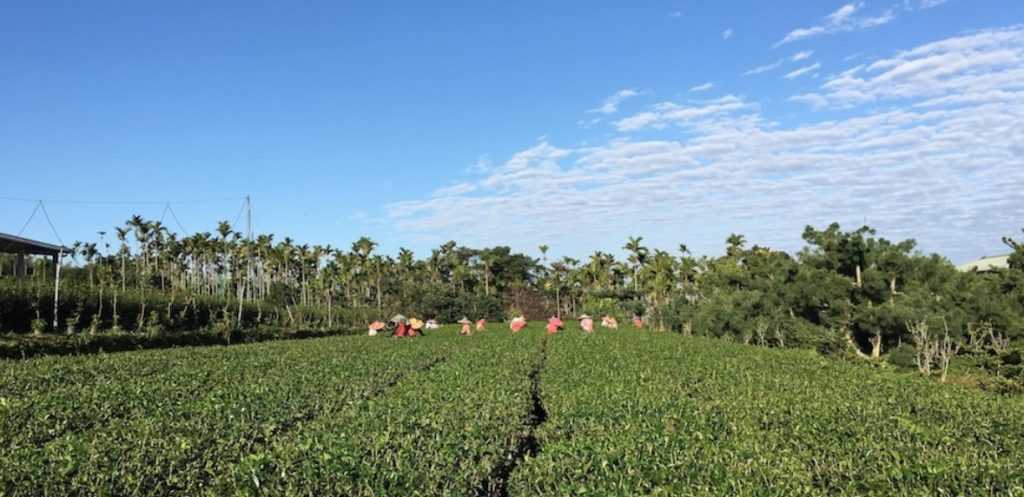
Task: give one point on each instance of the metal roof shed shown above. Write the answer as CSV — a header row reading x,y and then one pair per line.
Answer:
x,y
22,247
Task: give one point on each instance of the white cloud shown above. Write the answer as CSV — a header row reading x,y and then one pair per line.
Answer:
x,y
638,121
844,13
667,113
972,64
611,104
870,22
456,189
797,57
676,14
844,19
812,99
803,70
927,4
727,34
704,87
762,69
806,54
946,172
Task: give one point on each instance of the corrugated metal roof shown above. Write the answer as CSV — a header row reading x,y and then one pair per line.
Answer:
x,y
987,264
16,244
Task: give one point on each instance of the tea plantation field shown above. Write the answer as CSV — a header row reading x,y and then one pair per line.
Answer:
x,y
622,413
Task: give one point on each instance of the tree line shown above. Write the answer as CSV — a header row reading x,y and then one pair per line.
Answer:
x,y
843,289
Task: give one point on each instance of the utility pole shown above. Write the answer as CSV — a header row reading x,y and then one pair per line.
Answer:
x,y
248,217
56,287
248,263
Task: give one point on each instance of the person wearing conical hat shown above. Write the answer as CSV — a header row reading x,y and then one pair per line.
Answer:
x,y
554,324
517,324
401,325
587,323
466,329
415,327
375,327
401,329
609,322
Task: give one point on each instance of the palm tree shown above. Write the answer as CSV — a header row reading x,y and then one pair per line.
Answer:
x,y
89,253
574,279
378,264
406,266
460,273
559,272
124,251
487,259
735,244
363,248
637,257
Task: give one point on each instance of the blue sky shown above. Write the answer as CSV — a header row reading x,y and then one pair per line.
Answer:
x,y
575,124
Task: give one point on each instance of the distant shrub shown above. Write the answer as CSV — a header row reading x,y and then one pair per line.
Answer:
x,y
801,334
903,356
1012,357
835,344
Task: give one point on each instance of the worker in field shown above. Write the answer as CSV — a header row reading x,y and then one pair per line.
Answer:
x,y
587,323
481,324
554,324
609,322
375,328
517,324
401,326
415,327
466,329
638,322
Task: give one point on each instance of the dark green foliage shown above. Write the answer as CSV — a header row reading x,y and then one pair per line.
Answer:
x,y
165,313
844,292
614,413
353,416
1012,357
702,417
843,284
903,356
803,334
448,306
19,347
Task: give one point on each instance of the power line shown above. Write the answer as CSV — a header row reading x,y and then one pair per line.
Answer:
x,y
22,230
119,202
48,221
176,220
168,209
41,206
240,211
